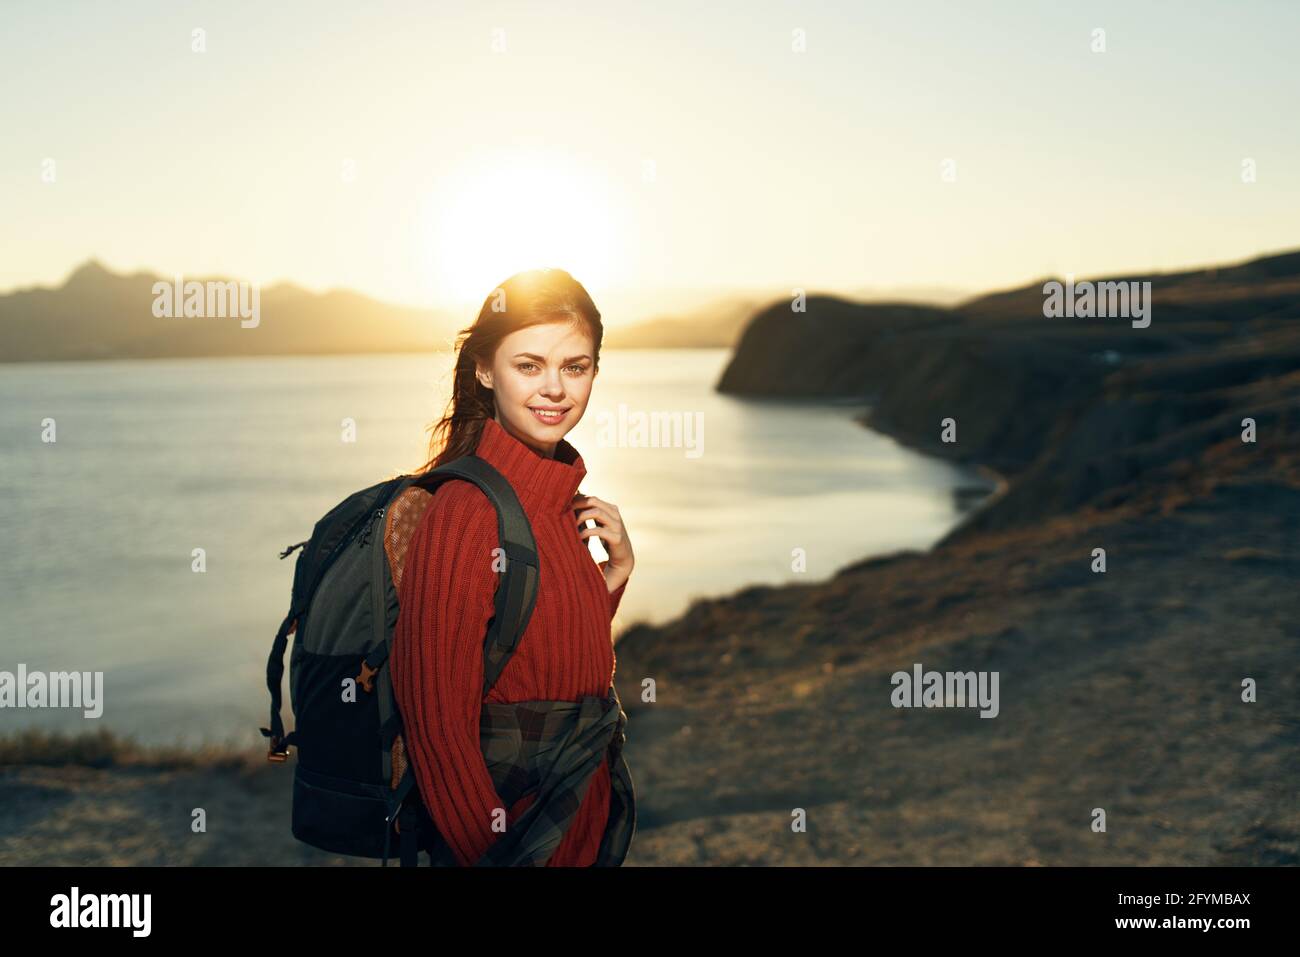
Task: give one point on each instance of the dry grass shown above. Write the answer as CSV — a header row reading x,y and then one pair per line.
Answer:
x,y
105,749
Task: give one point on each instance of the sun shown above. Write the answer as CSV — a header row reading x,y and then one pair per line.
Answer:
x,y
510,212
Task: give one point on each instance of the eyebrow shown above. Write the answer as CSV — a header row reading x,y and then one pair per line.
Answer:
x,y
530,355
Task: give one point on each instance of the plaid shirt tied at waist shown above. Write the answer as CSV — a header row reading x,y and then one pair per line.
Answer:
x,y
552,748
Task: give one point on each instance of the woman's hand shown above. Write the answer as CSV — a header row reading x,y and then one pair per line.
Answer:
x,y
609,529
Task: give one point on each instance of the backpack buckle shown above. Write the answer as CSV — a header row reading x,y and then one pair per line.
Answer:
x,y
367,677
279,750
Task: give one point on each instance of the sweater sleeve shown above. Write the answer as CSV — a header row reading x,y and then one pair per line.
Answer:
x,y
616,595
447,593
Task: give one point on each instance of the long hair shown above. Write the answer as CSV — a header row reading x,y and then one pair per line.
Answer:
x,y
526,299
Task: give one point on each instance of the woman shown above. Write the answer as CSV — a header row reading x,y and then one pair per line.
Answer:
x,y
523,378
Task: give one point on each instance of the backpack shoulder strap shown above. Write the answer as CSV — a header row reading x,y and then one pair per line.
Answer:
x,y
517,593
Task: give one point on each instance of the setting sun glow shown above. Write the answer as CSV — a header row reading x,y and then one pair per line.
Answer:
x,y
520,211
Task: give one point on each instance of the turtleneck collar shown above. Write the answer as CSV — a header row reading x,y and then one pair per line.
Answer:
x,y
543,484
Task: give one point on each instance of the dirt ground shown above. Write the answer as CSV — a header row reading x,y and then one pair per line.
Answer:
x,y
1119,691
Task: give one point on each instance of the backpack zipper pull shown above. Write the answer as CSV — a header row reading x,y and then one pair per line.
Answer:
x,y
289,551
365,532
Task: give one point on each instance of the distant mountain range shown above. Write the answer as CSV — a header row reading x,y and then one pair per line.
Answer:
x,y
99,314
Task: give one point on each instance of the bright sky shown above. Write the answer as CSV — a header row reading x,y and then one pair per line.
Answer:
x,y
422,152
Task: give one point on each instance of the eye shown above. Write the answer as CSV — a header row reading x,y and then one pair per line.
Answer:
x,y
575,369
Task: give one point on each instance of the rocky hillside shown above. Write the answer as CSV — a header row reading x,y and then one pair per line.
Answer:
x,y
1120,690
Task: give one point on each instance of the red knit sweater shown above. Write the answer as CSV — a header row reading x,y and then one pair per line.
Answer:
x,y
447,591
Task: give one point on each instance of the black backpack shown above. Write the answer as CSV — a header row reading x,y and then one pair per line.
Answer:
x,y
345,608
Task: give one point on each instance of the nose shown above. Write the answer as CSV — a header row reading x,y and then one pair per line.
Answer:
x,y
553,387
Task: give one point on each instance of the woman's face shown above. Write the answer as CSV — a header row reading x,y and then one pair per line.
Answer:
x,y
539,368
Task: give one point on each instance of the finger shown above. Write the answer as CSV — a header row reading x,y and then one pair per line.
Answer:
x,y
593,501
609,536
597,510
599,514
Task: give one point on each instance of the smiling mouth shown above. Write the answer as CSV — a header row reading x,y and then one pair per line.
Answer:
x,y
548,416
